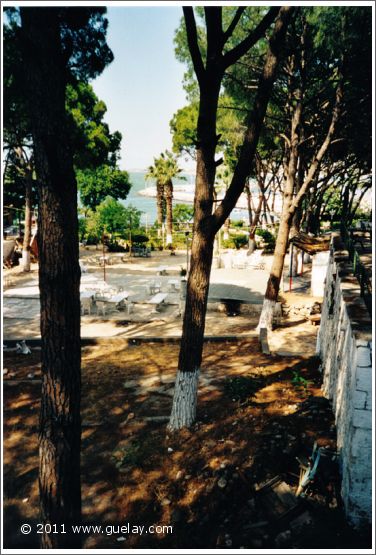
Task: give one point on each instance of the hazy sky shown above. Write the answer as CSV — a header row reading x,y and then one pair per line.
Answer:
x,y
142,88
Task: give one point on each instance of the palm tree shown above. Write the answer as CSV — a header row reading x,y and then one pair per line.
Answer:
x,y
153,173
164,170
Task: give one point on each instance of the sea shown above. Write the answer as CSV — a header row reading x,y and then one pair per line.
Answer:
x,y
147,204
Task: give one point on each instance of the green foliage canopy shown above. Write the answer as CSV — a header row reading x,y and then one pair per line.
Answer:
x,y
110,217
93,143
98,183
96,150
182,213
165,169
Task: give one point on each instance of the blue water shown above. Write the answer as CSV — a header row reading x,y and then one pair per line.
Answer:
x,y
148,205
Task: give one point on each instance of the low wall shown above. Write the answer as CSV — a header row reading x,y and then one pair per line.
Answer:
x,y
319,267
344,344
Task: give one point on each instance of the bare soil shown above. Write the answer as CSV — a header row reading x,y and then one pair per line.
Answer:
x,y
256,414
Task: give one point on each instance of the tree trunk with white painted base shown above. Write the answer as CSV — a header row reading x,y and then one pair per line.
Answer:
x,y
206,222
27,233
251,245
272,288
183,412
290,168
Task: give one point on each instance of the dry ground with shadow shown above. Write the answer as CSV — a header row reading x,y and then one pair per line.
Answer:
x,y
255,415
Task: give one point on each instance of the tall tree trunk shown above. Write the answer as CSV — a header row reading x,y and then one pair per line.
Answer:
x,y
272,287
169,196
183,412
27,228
206,224
59,279
290,205
160,202
256,219
295,227
252,229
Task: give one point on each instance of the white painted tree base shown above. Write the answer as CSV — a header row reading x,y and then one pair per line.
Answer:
x,y
25,261
266,317
184,403
251,246
168,239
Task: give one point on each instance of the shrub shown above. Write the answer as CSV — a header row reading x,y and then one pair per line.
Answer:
x,y
139,238
240,388
228,243
265,234
268,239
240,241
114,246
237,223
91,240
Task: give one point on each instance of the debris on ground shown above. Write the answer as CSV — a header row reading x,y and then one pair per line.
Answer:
x,y
248,432
22,348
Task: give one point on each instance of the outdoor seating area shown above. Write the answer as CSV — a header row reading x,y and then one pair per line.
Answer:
x,y
161,270
173,285
157,300
154,287
144,252
243,261
107,259
102,298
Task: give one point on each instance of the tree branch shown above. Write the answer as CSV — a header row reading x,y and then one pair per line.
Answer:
x,y
324,147
230,29
256,118
214,33
190,25
238,51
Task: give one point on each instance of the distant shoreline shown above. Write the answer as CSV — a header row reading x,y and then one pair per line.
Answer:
x,y
185,193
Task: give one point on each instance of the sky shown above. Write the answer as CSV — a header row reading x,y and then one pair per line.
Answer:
x,y
142,88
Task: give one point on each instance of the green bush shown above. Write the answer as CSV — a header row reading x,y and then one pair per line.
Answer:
x,y
268,239
82,228
114,246
237,223
139,238
265,234
228,243
235,241
240,388
240,241
91,240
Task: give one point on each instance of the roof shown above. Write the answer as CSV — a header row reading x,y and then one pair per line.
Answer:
x,y
310,244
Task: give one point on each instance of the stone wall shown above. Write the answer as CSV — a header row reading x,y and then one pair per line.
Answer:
x,y
319,267
344,344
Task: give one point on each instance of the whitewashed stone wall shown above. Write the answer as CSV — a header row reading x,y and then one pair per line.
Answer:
x,y
319,267
345,346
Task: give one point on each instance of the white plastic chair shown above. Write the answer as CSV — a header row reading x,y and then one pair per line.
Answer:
x,y
86,305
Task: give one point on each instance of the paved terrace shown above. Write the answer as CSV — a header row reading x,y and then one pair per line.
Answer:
x,y
21,297
21,302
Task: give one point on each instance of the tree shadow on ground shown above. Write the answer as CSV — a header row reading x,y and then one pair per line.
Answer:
x,y
201,481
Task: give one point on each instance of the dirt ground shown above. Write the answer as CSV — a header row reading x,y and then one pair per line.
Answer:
x,y
256,414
